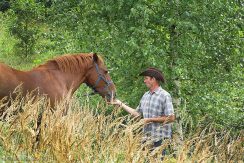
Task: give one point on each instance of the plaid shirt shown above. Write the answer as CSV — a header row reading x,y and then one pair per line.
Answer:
x,y
156,104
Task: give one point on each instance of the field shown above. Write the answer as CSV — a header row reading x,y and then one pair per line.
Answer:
x,y
86,133
198,46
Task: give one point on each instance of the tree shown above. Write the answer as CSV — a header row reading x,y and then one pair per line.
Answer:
x,y
198,46
25,25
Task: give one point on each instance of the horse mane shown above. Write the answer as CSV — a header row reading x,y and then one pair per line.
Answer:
x,y
73,63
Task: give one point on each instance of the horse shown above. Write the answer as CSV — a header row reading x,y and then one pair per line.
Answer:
x,y
59,76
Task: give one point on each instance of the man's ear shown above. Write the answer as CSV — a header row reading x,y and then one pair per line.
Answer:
x,y
153,78
95,57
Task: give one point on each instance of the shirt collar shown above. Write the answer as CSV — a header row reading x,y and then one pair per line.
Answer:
x,y
156,90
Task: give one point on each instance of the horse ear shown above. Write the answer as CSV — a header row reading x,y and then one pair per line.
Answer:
x,y
95,57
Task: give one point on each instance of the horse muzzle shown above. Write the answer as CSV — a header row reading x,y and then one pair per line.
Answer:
x,y
110,96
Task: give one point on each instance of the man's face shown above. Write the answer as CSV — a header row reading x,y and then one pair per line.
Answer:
x,y
149,81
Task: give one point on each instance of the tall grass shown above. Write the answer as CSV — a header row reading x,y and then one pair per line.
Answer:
x,y
72,132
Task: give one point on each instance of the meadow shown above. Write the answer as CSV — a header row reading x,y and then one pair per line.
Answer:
x,y
87,134
197,45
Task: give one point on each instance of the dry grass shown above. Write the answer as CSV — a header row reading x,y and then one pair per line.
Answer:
x,y
84,135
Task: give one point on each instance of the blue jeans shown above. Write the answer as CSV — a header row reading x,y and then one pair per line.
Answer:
x,y
155,145
158,144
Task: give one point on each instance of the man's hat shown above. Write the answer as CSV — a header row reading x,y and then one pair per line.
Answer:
x,y
153,72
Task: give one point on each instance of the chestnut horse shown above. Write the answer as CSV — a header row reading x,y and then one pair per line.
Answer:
x,y
59,77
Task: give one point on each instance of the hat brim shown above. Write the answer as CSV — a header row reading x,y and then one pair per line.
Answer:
x,y
154,74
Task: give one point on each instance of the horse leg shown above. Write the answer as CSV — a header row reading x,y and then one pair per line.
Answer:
x,y
38,128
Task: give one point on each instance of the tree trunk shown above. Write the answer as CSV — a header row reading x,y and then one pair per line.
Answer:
x,y
175,82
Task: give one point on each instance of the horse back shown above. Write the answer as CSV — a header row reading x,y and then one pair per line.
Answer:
x,y
43,80
8,80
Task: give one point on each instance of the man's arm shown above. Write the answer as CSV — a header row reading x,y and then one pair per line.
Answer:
x,y
162,119
125,107
130,110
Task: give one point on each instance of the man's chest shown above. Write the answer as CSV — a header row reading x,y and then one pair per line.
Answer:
x,y
152,106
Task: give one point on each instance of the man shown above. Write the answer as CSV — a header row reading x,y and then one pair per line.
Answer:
x,y
155,107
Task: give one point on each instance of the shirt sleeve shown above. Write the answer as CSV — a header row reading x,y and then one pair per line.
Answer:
x,y
168,109
138,108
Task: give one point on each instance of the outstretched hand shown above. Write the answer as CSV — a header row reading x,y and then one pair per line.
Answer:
x,y
115,102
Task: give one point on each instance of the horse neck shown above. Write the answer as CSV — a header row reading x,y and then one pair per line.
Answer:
x,y
74,80
70,80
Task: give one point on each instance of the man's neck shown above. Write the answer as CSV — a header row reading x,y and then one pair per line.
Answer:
x,y
154,88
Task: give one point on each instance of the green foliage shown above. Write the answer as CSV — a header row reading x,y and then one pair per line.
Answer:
x,y
26,17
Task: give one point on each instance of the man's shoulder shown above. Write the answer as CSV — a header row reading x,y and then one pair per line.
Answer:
x,y
163,92
146,93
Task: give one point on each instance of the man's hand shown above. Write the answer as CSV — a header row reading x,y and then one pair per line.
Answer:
x,y
115,102
125,107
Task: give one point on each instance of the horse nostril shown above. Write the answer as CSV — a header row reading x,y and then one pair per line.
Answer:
x,y
108,97
113,95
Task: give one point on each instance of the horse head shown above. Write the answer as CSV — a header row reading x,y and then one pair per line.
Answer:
x,y
99,80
